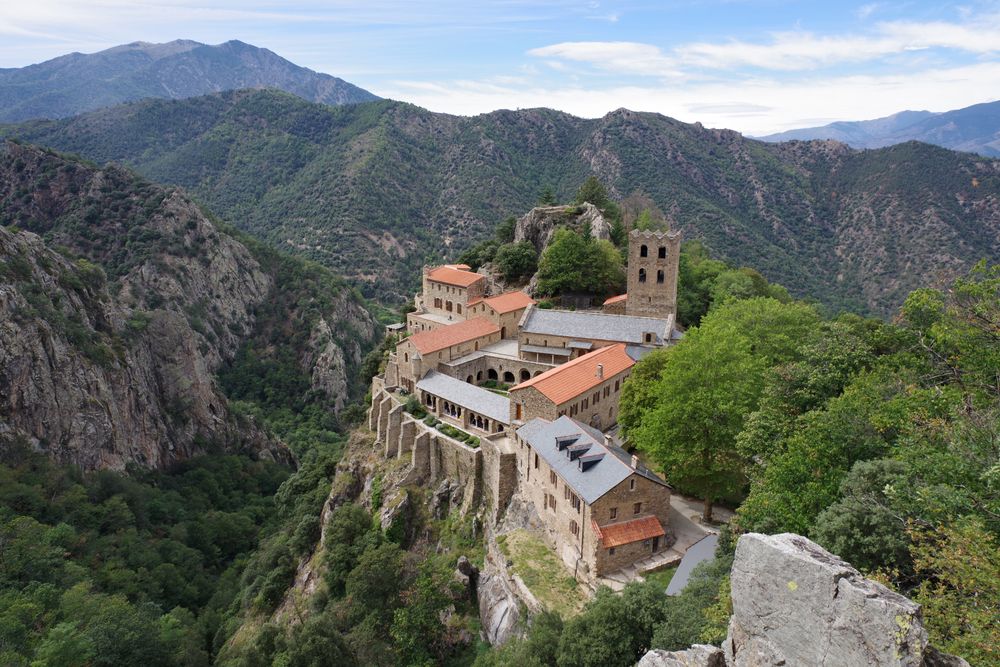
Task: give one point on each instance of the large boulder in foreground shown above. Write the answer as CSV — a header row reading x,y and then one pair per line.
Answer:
x,y
794,603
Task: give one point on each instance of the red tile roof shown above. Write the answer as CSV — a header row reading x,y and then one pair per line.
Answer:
x,y
626,532
453,334
579,376
454,276
507,302
615,299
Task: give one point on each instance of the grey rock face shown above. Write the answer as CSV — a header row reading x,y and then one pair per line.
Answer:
x,y
794,603
147,399
498,608
103,368
540,223
699,655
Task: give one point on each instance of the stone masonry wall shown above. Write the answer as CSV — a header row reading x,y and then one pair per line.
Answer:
x,y
650,298
432,455
655,499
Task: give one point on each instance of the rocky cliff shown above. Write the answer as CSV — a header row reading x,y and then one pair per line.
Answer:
x,y
109,347
540,223
794,603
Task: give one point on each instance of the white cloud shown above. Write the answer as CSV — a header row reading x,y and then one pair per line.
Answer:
x,y
785,51
631,57
756,106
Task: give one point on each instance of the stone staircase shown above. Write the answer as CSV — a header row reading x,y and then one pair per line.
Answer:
x,y
616,580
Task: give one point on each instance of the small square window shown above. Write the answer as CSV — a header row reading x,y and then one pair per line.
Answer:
x,y
611,551
636,508
614,513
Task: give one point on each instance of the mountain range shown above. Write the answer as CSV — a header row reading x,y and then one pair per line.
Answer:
x,y
975,129
376,190
77,82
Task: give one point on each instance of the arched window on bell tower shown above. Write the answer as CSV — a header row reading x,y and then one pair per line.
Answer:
x,y
643,251
659,276
642,274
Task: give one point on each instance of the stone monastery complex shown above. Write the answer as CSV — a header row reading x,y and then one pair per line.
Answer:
x,y
535,393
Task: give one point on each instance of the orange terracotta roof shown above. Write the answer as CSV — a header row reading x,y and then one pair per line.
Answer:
x,y
579,376
615,299
626,532
460,267
507,302
453,276
453,334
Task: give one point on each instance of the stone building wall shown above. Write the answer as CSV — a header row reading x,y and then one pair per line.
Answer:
x,y
432,456
655,499
506,321
614,308
437,295
500,475
477,369
648,296
603,414
413,366
535,478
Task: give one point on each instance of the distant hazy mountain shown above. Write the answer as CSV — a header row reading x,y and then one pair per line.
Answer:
x,y
974,129
75,83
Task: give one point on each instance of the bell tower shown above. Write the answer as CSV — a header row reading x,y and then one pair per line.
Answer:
x,y
653,262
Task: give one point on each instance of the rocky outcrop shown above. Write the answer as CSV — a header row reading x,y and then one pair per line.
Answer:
x,y
337,347
109,348
794,603
540,223
94,383
699,655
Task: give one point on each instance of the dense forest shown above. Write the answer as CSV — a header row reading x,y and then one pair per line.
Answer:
x,y
878,440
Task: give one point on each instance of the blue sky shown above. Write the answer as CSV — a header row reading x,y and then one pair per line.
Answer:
x,y
756,66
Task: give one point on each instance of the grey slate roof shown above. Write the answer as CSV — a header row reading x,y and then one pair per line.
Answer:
x,y
596,326
609,470
468,396
699,552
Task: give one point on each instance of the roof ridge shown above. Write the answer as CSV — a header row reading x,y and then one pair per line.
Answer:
x,y
571,364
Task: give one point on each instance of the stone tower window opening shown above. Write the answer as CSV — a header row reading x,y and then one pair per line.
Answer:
x,y
643,251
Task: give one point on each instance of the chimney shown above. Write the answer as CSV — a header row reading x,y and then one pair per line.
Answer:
x,y
600,371
635,461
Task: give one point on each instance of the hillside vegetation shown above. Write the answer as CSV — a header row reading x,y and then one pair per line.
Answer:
x,y
122,299
375,190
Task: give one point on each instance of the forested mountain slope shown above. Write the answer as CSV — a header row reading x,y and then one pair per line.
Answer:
x,y
120,300
375,190
78,82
